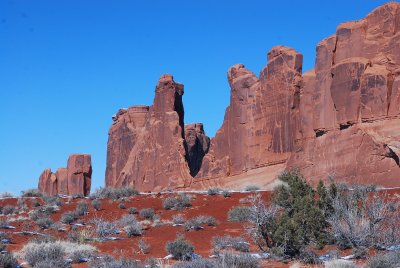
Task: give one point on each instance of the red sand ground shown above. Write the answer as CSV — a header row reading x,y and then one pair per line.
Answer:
x,y
202,204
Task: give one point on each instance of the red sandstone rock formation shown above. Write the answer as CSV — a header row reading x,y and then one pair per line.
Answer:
x,y
340,119
73,180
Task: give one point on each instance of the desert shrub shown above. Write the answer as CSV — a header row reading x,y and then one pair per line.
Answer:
x,y
180,249
48,209
114,193
127,220
179,202
197,263
340,264
82,208
251,188
81,236
292,221
105,228
44,223
237,260
6,195
36,214
96,204
213,191
362,217
34,253
169,202
147,213
32,193
110,262
68,217
132,210
52,200
52,264
239,214
309,257
8,260
134,229
122,205
178,219
54,251
226,193
197,222
2,247
385,260
226,242
143,246
9,209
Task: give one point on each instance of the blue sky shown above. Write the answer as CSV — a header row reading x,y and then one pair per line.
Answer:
x,y
67,66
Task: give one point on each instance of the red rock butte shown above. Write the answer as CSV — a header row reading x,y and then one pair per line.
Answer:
x,y
73,180
339,120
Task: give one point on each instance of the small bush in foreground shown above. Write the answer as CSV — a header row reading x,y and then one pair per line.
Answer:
x,y
52,264
44,223
180,249
105,228
180,202
309,257
340,264
197,222
226,193
35,253
147,213
82,208
385,260
96,204
8,260
68,217
225,242
239,214
143,246
110,262
134,229
238,261
197,263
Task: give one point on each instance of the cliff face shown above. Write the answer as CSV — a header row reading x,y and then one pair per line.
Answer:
x,y
73,180
340,119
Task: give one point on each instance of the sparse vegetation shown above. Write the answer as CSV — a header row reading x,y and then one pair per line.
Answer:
x,y
197,222
68,217
114,193
132,210
251,188
96,204
147,213
32,193
180,202
340,264
226,193
178,219
180,249
133,229
228,242
110,262
213,191
44,223
7,260
105,228
82,208
239,214
122,206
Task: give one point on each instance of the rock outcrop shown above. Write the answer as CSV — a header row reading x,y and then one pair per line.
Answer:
x,y
73,180
339,120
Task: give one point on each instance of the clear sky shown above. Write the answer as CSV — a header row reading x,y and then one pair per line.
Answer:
x,y
67,66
